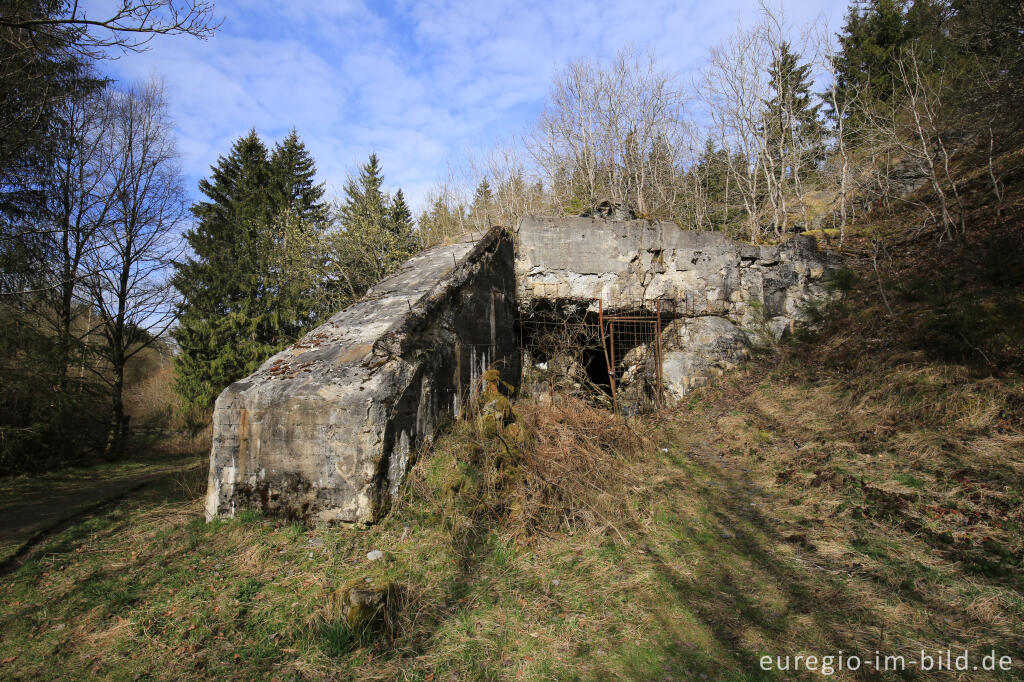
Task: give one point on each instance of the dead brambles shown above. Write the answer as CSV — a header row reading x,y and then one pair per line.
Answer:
x,y
538,468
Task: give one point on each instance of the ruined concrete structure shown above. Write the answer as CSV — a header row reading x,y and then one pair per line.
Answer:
x,y
717,295
327,429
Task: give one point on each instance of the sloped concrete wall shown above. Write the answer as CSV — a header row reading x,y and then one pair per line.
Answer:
x,y
327,429
724,293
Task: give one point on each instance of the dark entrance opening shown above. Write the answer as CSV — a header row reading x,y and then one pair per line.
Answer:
x,y
612,358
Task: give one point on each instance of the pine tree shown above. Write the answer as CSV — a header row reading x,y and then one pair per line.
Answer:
x,y
795,135
240,302
294,172
711,173
364,216
481,211
293,240
402,225
874,32
375,234
444,220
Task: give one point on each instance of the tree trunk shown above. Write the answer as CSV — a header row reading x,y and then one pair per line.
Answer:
x,y
118,422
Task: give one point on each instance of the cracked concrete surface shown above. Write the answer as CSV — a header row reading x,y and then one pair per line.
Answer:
x,y
725,294
327,429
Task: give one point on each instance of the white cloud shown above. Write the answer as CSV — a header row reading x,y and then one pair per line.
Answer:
x,y
417,82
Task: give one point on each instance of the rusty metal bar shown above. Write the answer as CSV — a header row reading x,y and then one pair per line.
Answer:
x,y
604,347
628,318
658,358
611,367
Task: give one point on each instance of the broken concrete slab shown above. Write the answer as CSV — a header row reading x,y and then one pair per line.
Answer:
x,y
327,429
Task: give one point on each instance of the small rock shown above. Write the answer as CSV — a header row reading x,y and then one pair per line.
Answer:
x,y
556,582
363,607
375,555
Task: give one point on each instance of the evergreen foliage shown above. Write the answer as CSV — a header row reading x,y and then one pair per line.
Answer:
x,y
876,32
482,209
444,220
240,303
709,179
40,72
374,234
294,189
795,135
401,218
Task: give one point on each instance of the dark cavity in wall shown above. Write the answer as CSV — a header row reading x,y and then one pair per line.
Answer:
x,y
570,346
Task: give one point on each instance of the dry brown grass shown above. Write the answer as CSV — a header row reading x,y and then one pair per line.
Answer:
x,y
860,493
152,402
580,466
565,466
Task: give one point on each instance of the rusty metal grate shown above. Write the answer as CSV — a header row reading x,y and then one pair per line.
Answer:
x,y
623,335
620,347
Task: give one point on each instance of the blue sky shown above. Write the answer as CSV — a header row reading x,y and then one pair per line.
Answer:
x,y
420,83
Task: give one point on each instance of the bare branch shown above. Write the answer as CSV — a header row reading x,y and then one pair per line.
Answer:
x,y
129,28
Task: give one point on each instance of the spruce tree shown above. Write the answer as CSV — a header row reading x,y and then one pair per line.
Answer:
x,y
402,226
376,232
870,40
483,194
294,187
293,240
712,173
795,136
239,304
482,209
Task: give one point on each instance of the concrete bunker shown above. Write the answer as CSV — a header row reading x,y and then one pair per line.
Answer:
x,y
636,311
327,429
656,308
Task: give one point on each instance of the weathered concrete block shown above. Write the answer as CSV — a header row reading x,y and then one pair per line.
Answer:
x,y
327,429
735,292
698,348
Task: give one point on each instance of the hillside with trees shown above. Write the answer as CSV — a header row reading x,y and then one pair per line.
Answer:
x,y
783,129
101,274
853,491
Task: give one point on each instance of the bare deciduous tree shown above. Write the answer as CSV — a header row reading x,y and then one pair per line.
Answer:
x,y
612,131
921,98
129,282
733,89
129,25
80,206
841,105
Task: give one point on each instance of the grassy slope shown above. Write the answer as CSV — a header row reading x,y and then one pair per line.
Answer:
x,y
860,491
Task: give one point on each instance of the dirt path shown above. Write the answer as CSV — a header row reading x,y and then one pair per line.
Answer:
x,y
38,509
